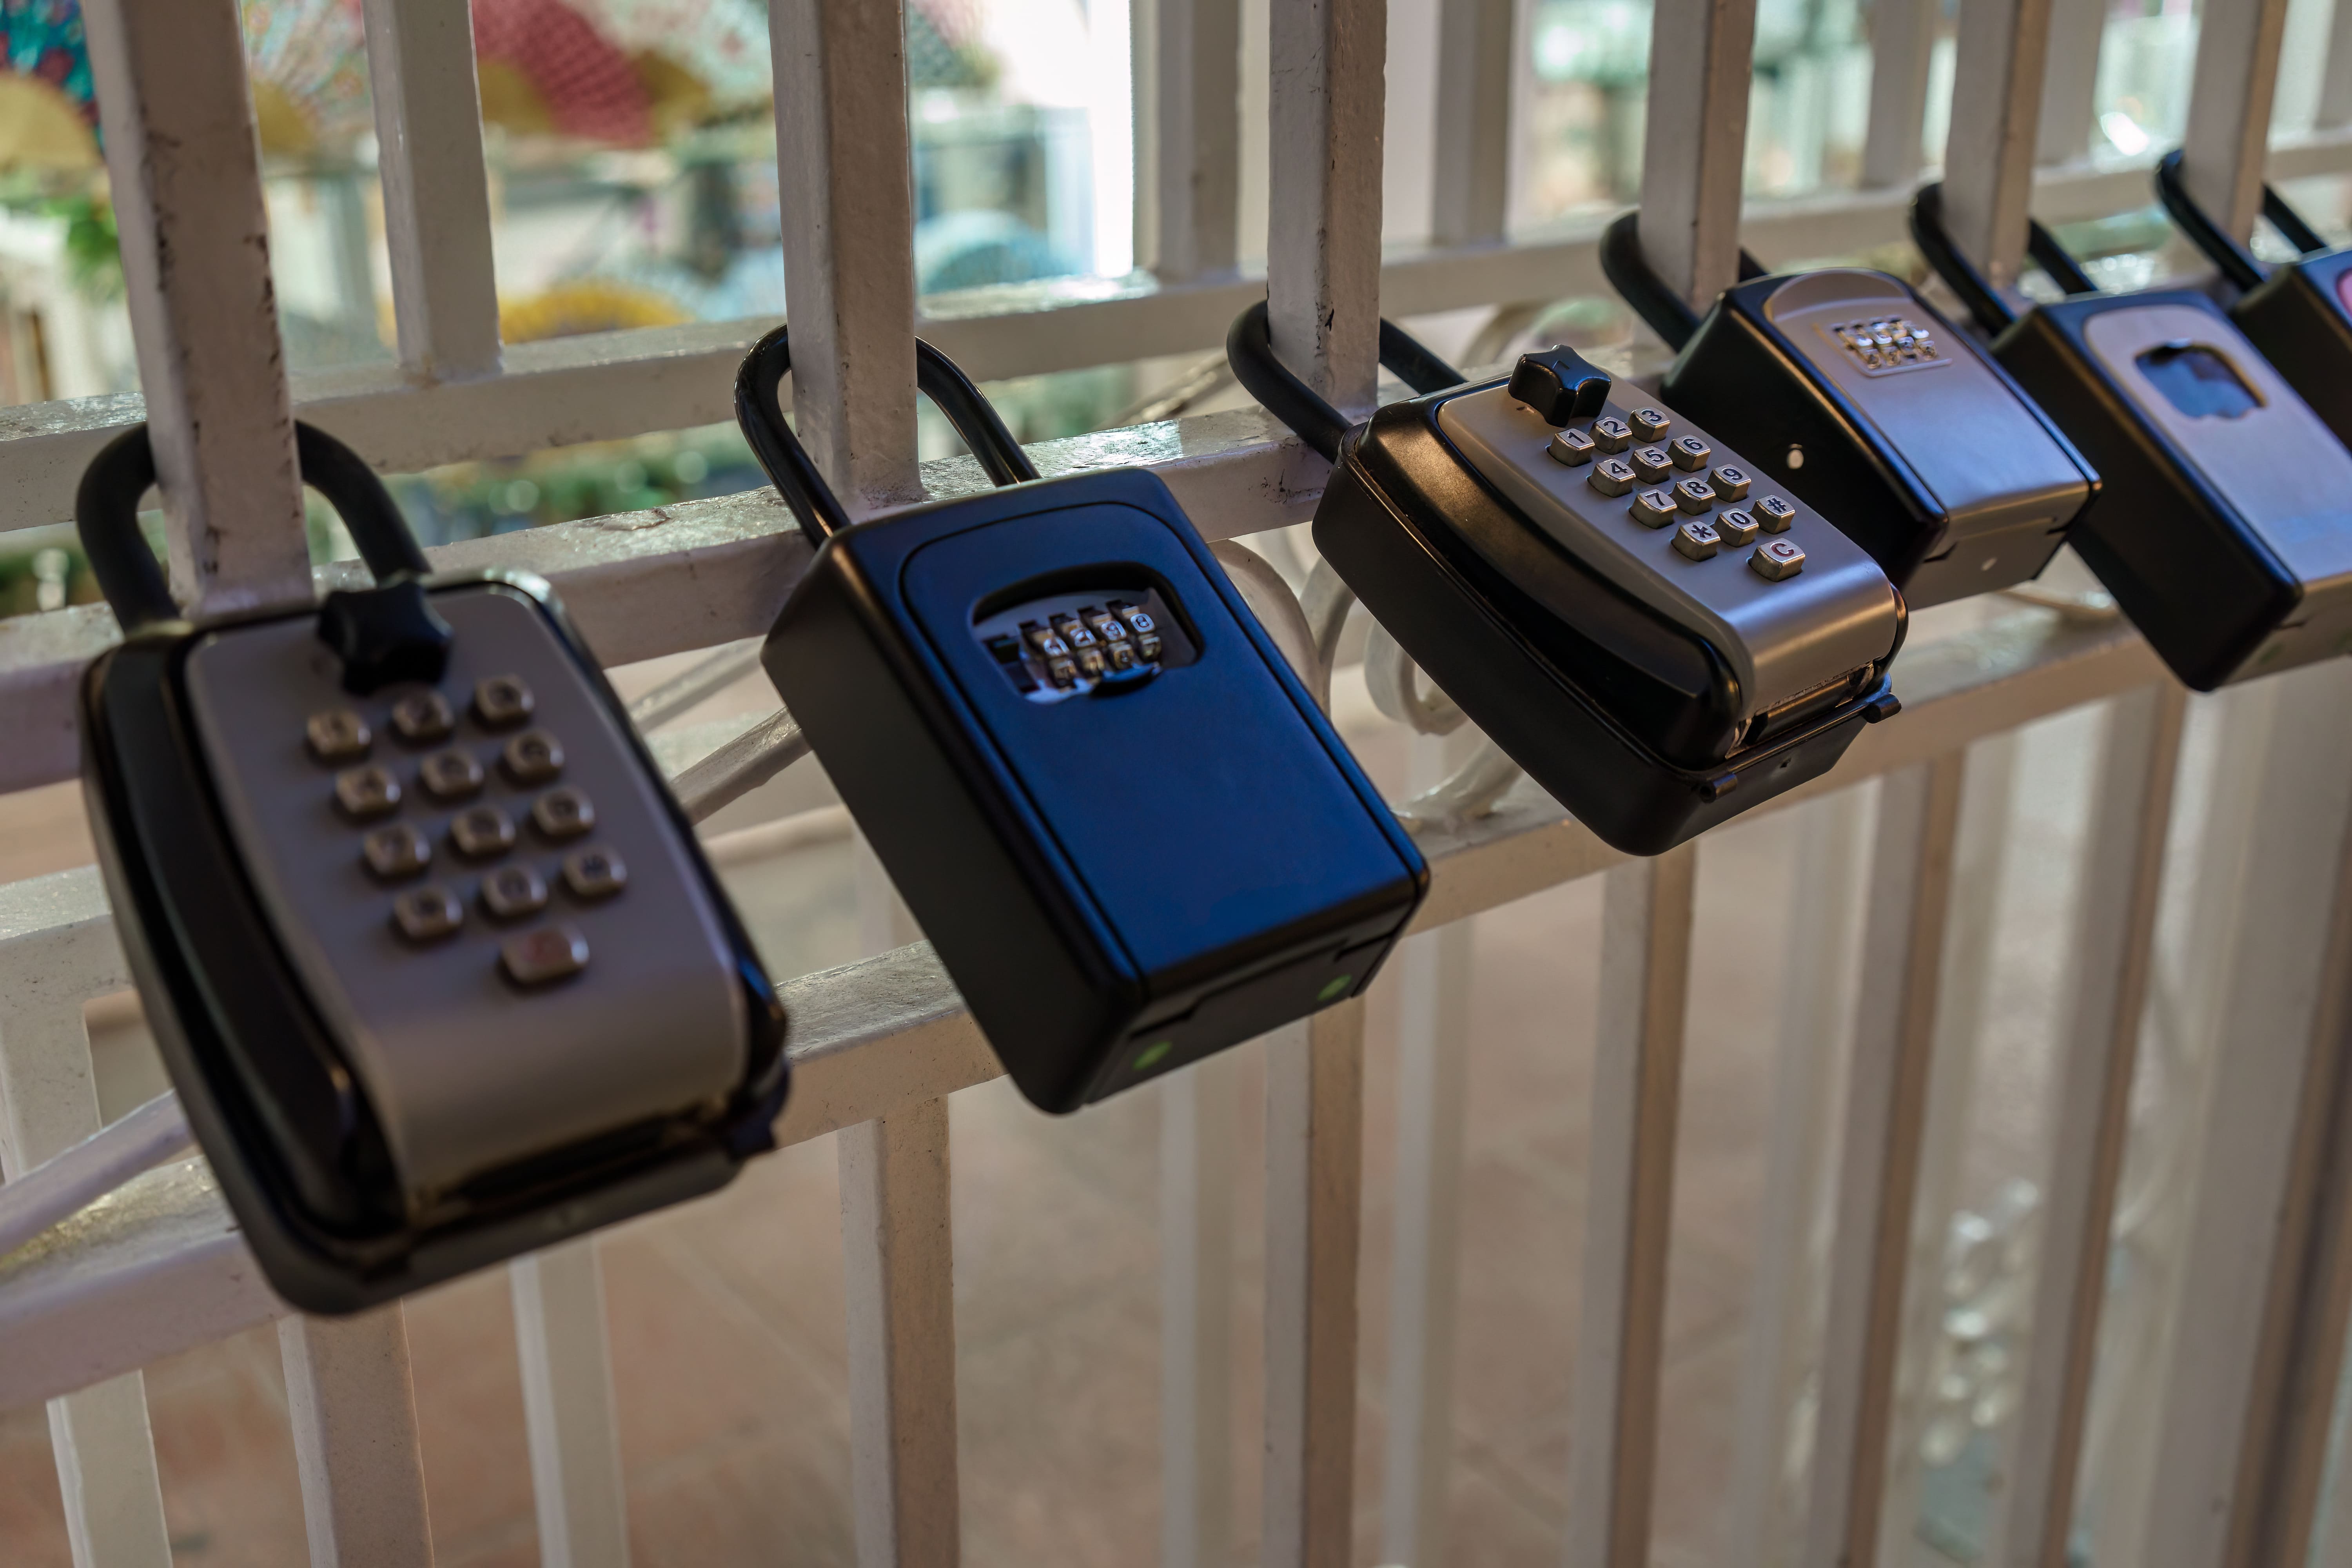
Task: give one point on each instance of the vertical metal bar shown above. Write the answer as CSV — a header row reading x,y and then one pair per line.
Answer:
x,y
1645,951
2335,91
1895,1034
1323,225
2234,1315
1815,1017
1472,166
1694,147
1187,150
1432,1082
355,1413
104,1451
1196,1272
2070,81
2003,47
2115,938
899,1283
185,167
436,197
846,194
2229,130
568,1408
1314,1174
1902,43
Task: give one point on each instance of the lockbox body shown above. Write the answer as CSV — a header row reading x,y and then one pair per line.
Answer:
x,y
2300,319
384,1110
1122,870
1848,388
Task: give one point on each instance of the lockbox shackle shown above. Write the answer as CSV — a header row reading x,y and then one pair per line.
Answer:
x,y
759,409
1249,348
1627,267
1991,313
106,515
2225,249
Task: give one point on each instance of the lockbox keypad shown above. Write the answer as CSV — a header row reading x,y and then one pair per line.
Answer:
x,y
1881,345
1073,644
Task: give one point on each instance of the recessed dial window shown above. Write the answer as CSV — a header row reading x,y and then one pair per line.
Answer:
x,y
2196,379
1068,645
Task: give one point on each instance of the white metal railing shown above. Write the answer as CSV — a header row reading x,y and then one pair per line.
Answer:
x,y
2214,1454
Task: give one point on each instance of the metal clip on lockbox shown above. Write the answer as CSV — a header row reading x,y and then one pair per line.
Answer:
x,y
2223,523
2299,314
433,958
1657,635
1119,818
1847,387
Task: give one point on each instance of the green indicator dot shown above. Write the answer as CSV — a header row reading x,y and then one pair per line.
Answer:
x,y
1150,1055
1335,988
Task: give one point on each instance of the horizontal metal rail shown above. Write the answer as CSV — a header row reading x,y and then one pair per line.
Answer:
x,y
159,1266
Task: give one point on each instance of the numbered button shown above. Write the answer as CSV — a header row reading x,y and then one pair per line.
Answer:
x,y
1654,508
452,775
481,831
594,873
427,914
563,814
1729,482
1147,645
1611,433
1736,526
1697,540
540,957
1690,453
511,892
533,757
1612,477
1062,672
1778,558
397,851
1775,514
1122,655
1139,620
501,701
1573,448
337,735
367,792
1651,463
1650,423
421,716
1693,496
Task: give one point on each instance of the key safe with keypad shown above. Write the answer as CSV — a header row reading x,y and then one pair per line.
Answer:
x,y
2298,313
1845,386
1659,635
1123,824
436,966
2223,523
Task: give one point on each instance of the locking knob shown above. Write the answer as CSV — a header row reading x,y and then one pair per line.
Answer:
x,y
1559,384
387,634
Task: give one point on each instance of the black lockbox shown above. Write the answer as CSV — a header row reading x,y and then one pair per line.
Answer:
x,y
1846,386
1658,659
436,968
2298,314
1124,825
2223,524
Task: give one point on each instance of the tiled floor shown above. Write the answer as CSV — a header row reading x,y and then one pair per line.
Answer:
x,y
727,1315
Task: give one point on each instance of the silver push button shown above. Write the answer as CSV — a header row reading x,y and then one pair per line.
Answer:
x,y
532,757
1690,453
1571,447
511,892
1611,433
1651,463
1775,514
452,775
426,914
548,953
1612,477
1654,508
482,832
1650,423
421,716
1729,482
501,701
594,873
367,792
1693,496
1776,559
396,852
1697,540
1736,526
563,814
337,735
